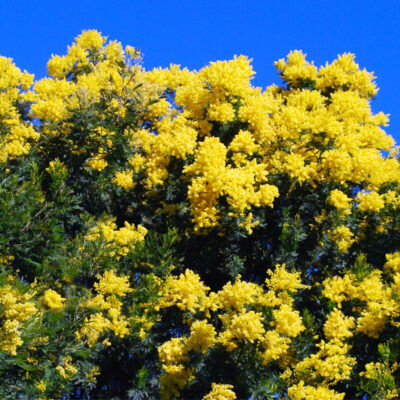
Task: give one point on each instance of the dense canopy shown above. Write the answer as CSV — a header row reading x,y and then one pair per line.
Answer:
x,y
181,234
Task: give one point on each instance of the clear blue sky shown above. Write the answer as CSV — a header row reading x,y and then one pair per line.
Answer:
x,y
192,33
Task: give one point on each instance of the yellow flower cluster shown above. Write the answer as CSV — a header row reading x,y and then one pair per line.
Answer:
x,y
245,326
381,373
59,67
67,369
296,68
16,309
339,200
393,262
110,288
283,280
53,300
343,237
98,162
109,283
226,146
343,73
370,202
172,355
288,321
331,363
186,292
17,135
339,289
275,346
91,375
220,391
240,325
213,179
306,392
98,67
289,131
338,326
118,241
123,179
174,352
41,386
233,297
378,299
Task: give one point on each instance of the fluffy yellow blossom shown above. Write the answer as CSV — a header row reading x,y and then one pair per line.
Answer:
x,y
332,362
381,373
202,336
110,289
343,237
98,163
158,109
177,378
173,355
295,166
339,289
220,391
137,162
249,224
344,71
337,165
380,305
186,292
66,369
372,323
372,370
288,321
244,142
371,202
246,326
274,346
296,68
41,386
109,283
17,136
221,112
282,279
236,296
206,188
306,392
91,375
119,241
16,309
93,328
97,324
371,288
338,325
90,39
58,66
124,179
173,352
340,201
229,77
53,300
393,262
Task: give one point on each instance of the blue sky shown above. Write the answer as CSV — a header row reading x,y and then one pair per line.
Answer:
x,y
192,33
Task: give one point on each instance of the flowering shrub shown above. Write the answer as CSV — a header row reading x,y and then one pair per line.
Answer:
x,y
184,234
